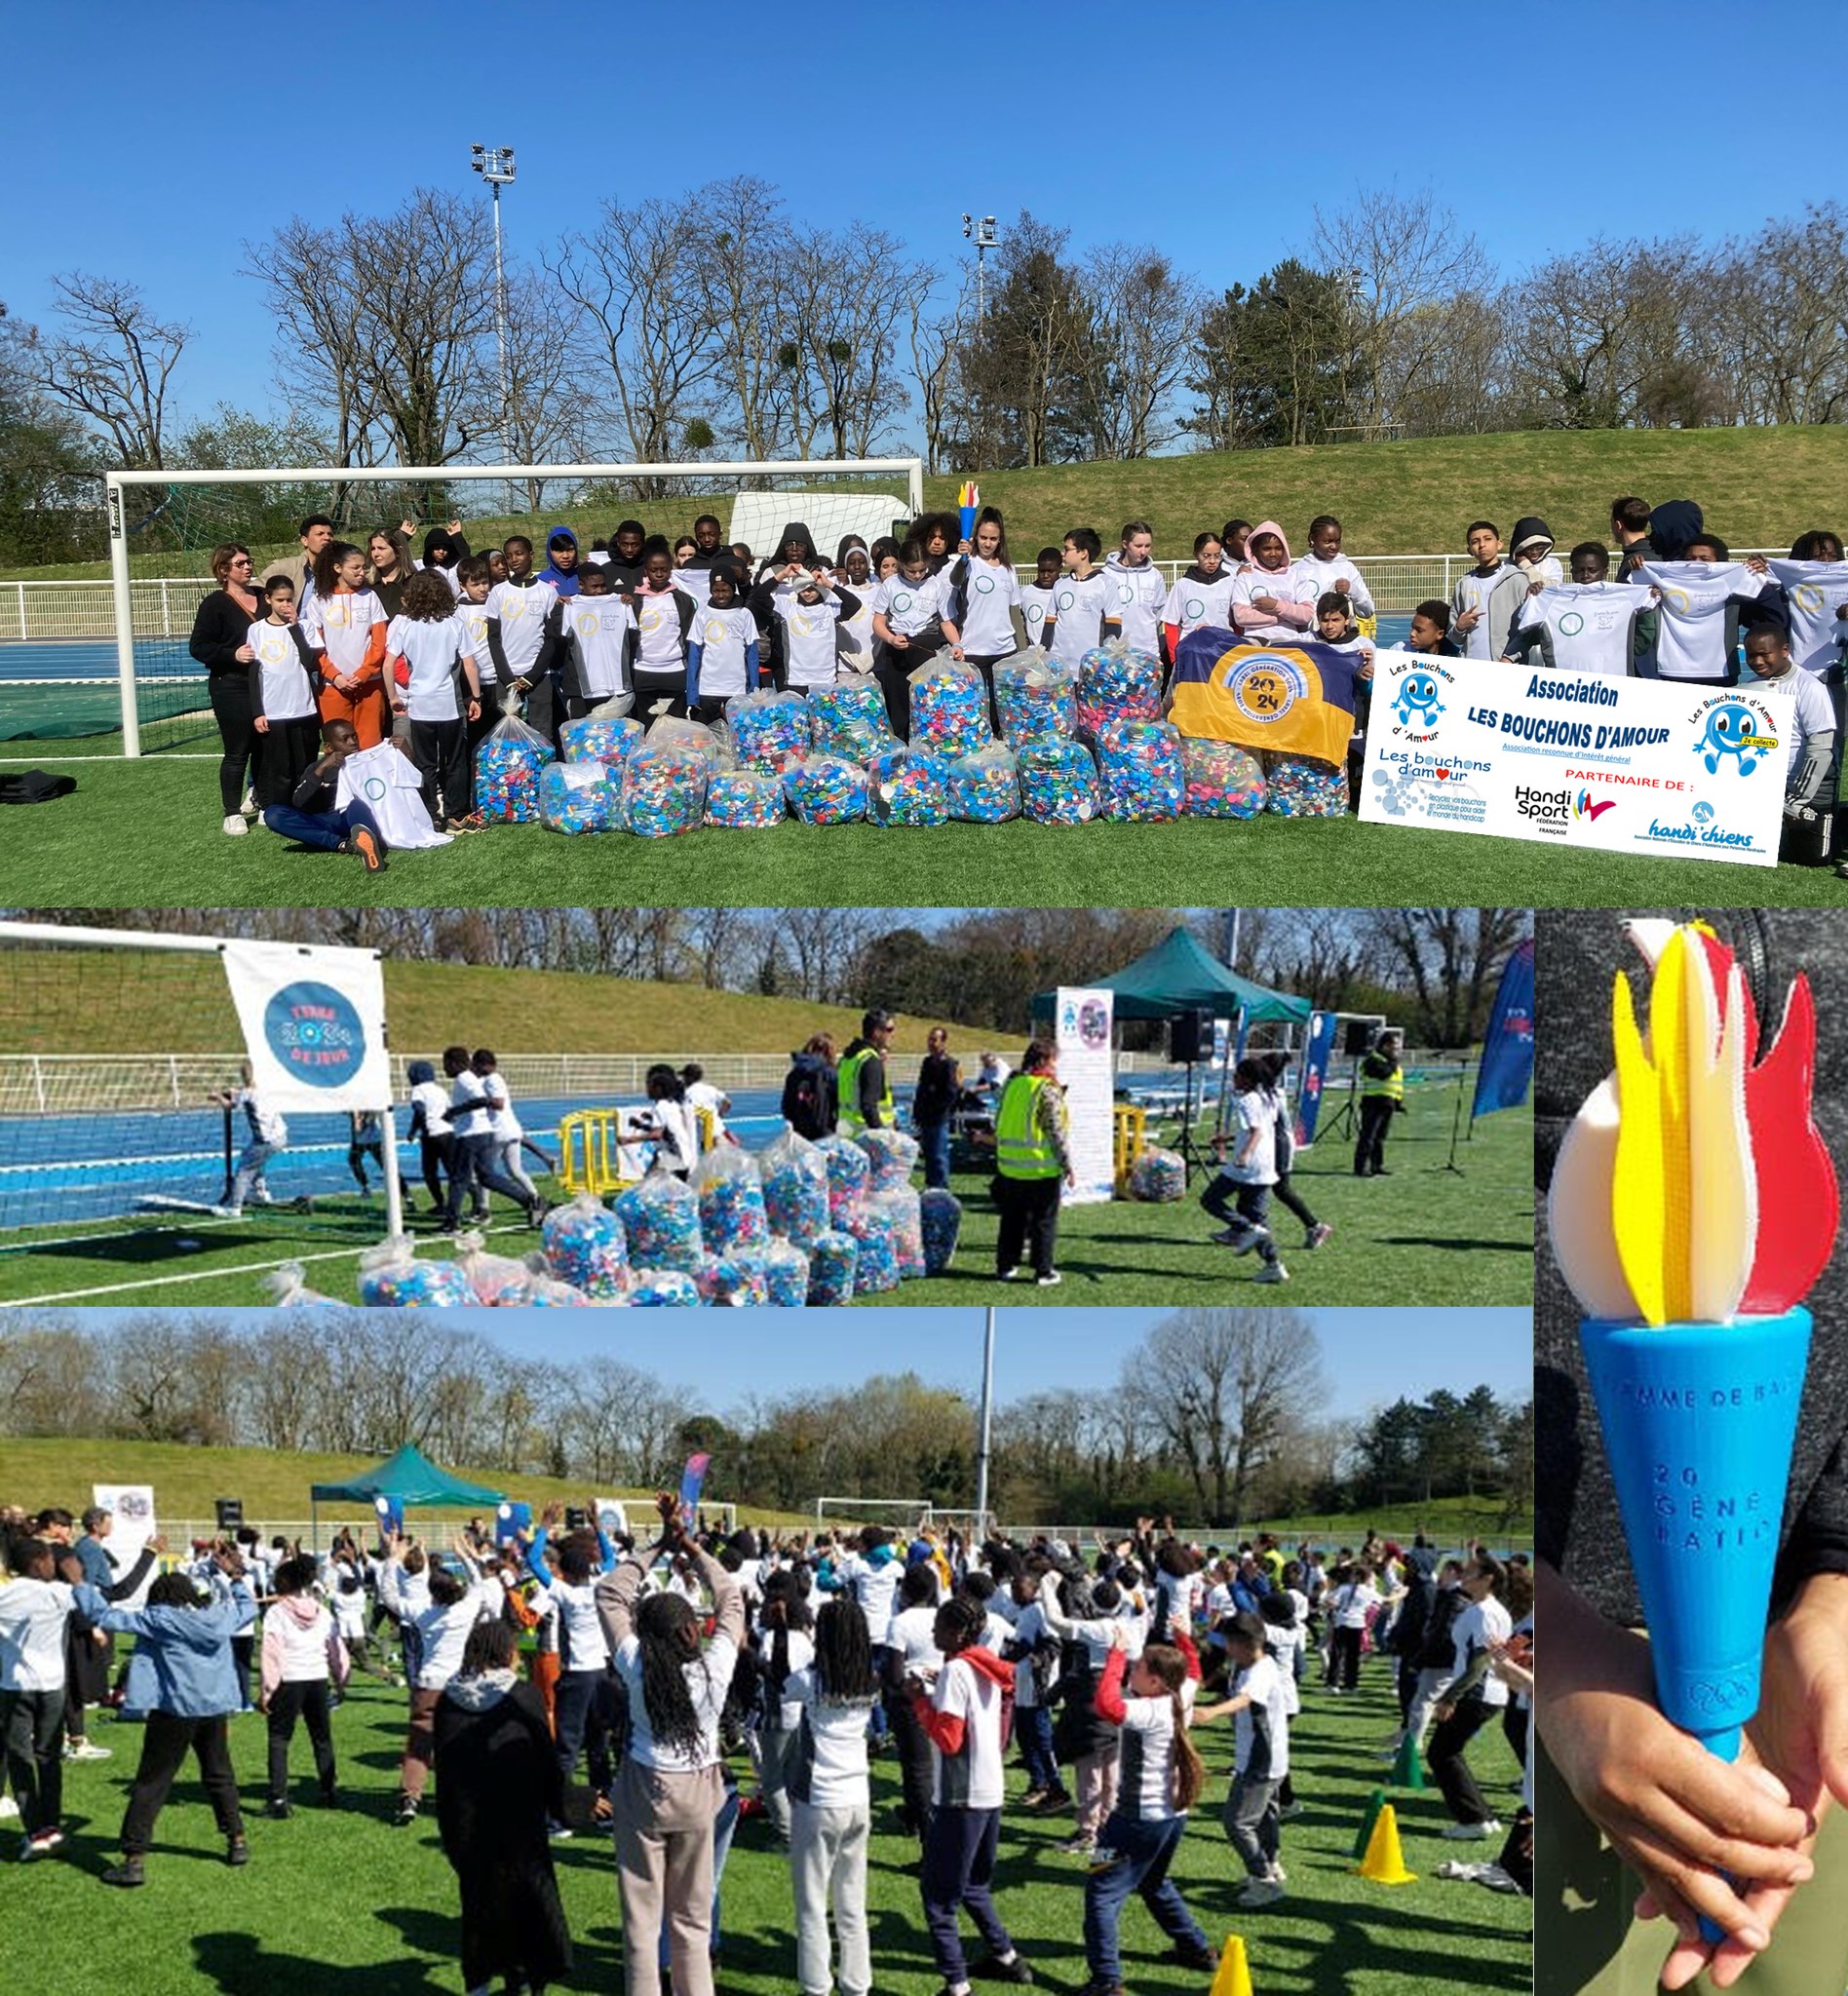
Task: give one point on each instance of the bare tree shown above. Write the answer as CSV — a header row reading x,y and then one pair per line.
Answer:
x,y
643,317
935,336
1449,955
547,420
112,362
1225,1387
847,294
1789,350
742,275
391,320
1144,318
1397,257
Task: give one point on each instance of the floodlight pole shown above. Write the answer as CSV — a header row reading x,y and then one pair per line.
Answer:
x,y
984,1427
495,165
980,230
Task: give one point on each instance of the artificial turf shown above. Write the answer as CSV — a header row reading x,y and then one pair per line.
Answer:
x,y
342,1904
147,833
1424,1234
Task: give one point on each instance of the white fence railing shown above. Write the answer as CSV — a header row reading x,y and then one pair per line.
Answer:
x,y
94,1085
164,606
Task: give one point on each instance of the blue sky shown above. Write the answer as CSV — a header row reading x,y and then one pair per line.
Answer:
x,y
1370,1355
186,129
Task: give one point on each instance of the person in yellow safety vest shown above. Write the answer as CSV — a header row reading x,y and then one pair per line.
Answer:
x,y
1382,1097
866,1092
1033,1159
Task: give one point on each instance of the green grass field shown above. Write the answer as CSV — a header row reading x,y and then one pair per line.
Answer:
x,y
1759,487
1424,1235
68,1002
342,1904
141,833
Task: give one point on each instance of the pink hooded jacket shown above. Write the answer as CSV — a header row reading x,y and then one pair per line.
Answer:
x,y
1292,614
300,1643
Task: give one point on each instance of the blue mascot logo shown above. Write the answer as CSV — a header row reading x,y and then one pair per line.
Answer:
x,y
1731,731
315,1032
1418,694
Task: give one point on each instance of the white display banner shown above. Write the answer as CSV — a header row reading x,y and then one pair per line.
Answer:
x,y
314,1025
1087,1071
132,1507
1624,765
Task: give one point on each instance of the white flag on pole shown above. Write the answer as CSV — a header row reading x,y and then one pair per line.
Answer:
x,y
314,1025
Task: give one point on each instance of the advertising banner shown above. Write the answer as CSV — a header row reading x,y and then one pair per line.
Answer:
x,y
1087,1070
1577,759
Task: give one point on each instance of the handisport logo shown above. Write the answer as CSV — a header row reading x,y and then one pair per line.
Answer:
x,y
1583,806
1546,811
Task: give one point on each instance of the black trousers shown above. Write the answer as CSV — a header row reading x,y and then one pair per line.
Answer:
x,y
310,1702
1288,1199
985,667
1376,1115
1029,1222
1344,1660
893,668
651,687
230,697
164,1742
1445,1758
281,756
914,1764
242,1650
437,1159
32,1725
440,751
472,1165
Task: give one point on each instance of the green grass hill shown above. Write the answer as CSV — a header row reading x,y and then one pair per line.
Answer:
x,y
57,1002
1759,487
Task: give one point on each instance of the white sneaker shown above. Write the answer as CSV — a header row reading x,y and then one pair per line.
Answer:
x,y
1272,1272
249,805
234,825
1317,1234
1261,1891
88,1750
9,1809
1472,1832
1049,1282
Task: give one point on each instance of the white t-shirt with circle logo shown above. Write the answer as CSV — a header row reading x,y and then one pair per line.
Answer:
x,y
908,608
288,694
990,590
600,628
1136,596
1589,624
1195,605
1080,607
386,780
1037,605
1815,590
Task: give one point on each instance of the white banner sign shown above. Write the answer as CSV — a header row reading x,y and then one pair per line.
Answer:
x,y
1087,1071
132,1506
314,1025
1624,765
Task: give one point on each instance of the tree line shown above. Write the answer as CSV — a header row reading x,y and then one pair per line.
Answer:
x,y
1433,970
1217,1415
717,325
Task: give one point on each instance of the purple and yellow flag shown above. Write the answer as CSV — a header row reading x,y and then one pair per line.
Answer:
x,y
1294,698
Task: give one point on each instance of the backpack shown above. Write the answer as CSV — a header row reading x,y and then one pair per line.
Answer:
x,y
804,1109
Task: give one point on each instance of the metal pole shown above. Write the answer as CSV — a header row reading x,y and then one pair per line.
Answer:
x,y
500,341
983,1430
124,614
1232,937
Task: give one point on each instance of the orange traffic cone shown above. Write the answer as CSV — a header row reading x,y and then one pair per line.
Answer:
x,y
1232,1977
1370,1816
1384,1863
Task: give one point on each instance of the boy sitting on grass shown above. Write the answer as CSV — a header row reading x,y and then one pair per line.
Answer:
x,y
312,818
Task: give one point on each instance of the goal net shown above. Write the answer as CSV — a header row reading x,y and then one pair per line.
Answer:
x,y
103,664
132,1090
893,1512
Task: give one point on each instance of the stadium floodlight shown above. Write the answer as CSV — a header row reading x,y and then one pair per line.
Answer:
x,y
495,165
980,230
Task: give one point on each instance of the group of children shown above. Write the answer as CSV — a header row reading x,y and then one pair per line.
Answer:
x,y
345,661
808,1654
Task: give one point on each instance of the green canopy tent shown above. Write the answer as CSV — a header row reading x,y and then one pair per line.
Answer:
x,y
1179,975
411,1478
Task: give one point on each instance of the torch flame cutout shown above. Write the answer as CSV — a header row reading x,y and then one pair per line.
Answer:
x,y
1693,1186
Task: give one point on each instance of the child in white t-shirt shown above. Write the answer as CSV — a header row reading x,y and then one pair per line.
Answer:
x,y
1260,1758
436,686
1239,1197
1350,1602
1084,608
1036,597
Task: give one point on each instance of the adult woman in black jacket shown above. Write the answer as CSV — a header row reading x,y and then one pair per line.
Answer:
x,y
218,634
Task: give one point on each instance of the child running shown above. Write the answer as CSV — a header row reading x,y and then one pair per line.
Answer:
x,y
1260,1758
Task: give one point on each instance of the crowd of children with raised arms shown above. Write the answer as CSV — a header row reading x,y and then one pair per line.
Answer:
x,y
348,649
529,1651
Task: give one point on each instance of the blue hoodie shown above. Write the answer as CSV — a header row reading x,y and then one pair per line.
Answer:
x,y
183,1661
566,585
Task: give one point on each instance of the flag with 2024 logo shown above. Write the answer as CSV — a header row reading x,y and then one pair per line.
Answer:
x,y
314,1025
1294,698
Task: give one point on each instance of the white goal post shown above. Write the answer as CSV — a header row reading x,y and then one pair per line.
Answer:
x,y
863,1509
116,483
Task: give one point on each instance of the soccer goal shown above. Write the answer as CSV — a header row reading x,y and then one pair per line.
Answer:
x,y
105,666
137,1075
886,1511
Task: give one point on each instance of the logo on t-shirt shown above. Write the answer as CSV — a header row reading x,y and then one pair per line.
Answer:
x,y
315,1033
1570,624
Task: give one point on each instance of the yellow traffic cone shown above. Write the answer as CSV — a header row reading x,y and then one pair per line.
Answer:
x,y
1384,1863
1232,1977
